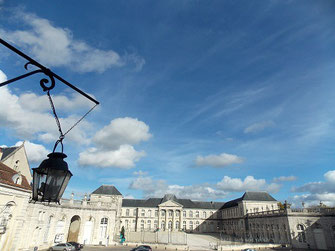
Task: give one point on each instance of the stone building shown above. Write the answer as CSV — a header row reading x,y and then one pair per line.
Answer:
x,y
257,218
98,218
169,213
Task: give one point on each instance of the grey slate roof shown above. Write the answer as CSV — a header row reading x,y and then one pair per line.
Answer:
x,y
258,196
107,190
255,196
6,151
186,203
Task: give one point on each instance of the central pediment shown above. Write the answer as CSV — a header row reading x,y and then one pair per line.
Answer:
x,y
170,203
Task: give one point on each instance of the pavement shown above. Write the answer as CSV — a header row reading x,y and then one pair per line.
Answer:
x,y
127,248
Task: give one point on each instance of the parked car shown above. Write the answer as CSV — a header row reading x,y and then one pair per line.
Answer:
x,y
77,245
142,248
63,247
249,249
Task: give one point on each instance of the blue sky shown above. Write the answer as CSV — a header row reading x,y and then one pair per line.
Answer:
x,y
204,99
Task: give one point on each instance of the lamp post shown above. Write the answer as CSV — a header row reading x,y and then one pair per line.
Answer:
x,y
52,176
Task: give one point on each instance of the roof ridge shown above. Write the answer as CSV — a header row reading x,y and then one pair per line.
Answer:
x,y
13,152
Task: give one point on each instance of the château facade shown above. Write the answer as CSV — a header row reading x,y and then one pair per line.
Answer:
x,y
97,219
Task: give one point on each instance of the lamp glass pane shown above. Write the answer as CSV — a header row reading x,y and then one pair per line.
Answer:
x,y
54,182
66,181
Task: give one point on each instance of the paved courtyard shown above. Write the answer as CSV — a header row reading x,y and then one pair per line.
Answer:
x,y
123,248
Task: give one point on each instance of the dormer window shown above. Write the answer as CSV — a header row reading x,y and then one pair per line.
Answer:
x,y
17,178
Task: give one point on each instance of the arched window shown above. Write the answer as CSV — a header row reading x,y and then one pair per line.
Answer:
x,y
197,225
143,213
197,214
190,214
163,225
149,224
127,212
149,213
155,224
301,233
17,178
163,213
184,213
126,224
170,213
191,225
204,214
177,225
177,213
135,212
170,225
142,225
184,225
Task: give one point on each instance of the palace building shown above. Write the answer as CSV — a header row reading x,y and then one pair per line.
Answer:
x,y
97,219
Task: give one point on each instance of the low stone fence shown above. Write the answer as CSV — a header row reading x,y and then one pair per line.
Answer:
x,y
160,237
241,246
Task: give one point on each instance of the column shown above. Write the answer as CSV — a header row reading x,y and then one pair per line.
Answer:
x,y
159,217
181,219
173,219
166,220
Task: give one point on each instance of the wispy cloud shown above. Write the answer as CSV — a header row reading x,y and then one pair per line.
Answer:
x,y
56,46
258,127
284,178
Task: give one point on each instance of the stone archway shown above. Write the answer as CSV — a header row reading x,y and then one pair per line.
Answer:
x,y
74,229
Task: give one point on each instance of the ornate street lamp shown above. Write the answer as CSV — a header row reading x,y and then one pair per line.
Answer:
x,y
52,176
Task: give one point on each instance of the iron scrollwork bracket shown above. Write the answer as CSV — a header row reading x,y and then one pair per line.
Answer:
x,y
41,69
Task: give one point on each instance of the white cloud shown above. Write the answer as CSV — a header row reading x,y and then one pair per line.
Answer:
x,y
158,188
327,199
222,160
27,115
248,184
330,177
314,192
3,76
115,144
258,127
124,157
35,152
33,102
55,46
284,178
122,131
319,187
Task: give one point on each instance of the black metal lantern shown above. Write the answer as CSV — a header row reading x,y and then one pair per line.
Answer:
x,y
51,178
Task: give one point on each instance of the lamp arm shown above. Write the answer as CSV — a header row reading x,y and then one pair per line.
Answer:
x,y
43,69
